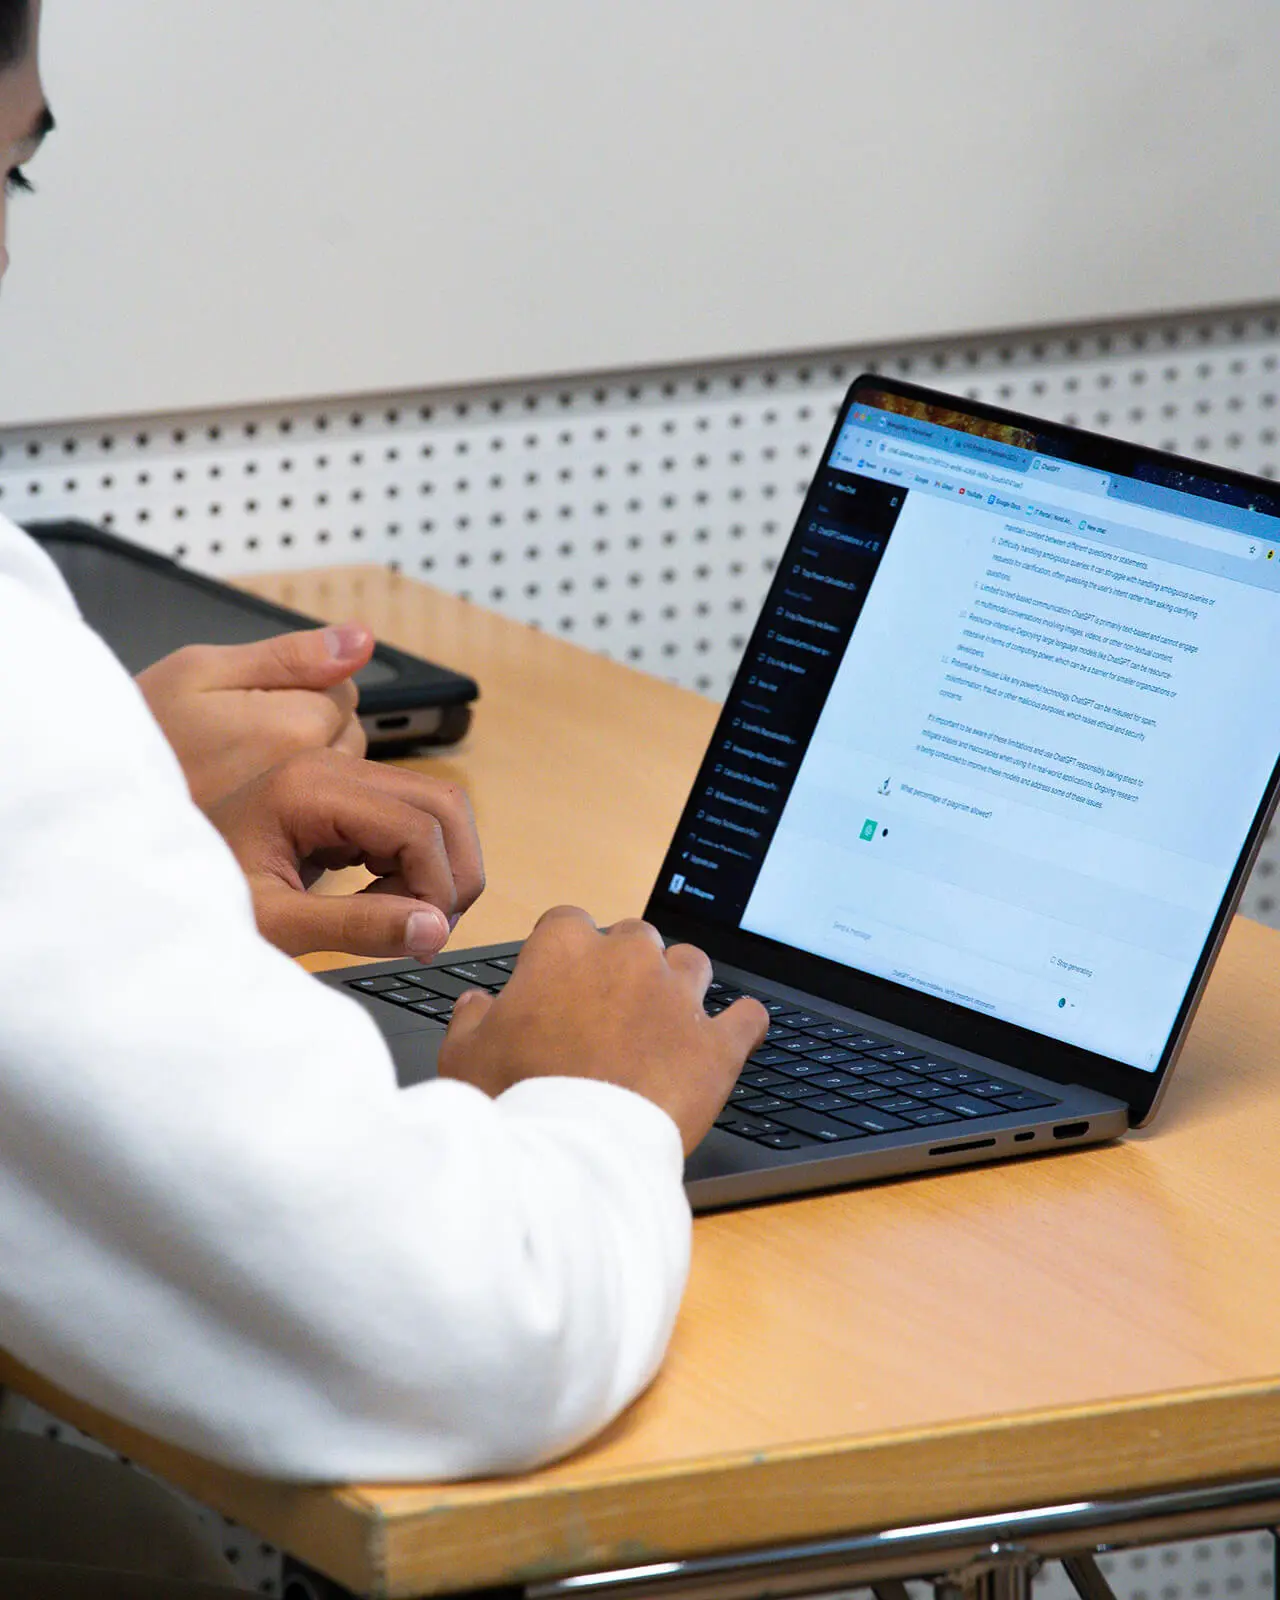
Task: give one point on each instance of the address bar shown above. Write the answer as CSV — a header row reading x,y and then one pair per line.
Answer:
x,y
1124,514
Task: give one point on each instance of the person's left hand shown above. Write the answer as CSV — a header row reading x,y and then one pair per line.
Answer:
x,y
230,712
322,811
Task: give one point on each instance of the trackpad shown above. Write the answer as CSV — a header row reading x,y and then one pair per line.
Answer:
x,y
415,1055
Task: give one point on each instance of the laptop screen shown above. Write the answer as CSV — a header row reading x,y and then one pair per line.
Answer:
x,y
1003,729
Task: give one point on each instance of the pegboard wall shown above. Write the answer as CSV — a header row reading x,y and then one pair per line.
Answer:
x,y
639,514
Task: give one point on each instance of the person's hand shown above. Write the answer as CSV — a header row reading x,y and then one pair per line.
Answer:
x,y
232,711
614,1005
322,811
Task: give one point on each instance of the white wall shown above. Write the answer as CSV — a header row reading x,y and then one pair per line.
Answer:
x,y
261,199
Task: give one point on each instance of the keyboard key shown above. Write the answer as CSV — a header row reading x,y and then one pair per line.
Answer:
x,y
784,1141
970,1107
795,1091
776,1008
870,1119
401,997
895,1052
1026,1100
761,1105
990,1089
832,1030
440,982
933,1064
741,1092
802,1120
480,973
865,1041
748,1127
801,1021
827,1102
769,1057
797,1044
432,1005
834,1080
777,1034
899,1104
957,1075
894,1080
931,1116
925,1089
388,980
726,990
798,1067
761,1077
507,963
833,1056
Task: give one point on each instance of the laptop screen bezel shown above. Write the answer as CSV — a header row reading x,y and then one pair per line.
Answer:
x,y
896,1003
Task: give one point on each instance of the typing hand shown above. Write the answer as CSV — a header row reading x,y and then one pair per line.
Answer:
x,y
614,1005
323,811
232,711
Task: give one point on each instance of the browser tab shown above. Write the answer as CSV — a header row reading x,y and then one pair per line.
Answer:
x,y
1067,473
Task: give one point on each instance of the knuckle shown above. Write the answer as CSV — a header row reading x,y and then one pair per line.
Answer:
x,y
193,660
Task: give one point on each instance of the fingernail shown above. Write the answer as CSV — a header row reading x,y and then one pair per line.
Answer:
x,y
347,640
425,932
453,921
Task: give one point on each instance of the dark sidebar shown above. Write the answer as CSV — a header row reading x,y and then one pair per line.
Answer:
x,y
778,695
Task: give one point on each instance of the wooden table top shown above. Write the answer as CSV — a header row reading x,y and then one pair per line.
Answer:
x,y
1060,1328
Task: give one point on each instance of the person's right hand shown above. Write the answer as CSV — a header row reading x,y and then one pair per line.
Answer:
x,y
614,1005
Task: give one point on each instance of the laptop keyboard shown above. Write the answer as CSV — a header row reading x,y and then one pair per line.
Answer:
x,y
814,1080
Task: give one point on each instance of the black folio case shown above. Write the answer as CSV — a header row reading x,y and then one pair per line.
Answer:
x,y
144,606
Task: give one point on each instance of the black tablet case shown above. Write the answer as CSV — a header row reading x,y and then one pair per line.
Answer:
x,y
145,606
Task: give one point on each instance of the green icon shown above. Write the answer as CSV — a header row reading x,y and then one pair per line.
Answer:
x,y
869,829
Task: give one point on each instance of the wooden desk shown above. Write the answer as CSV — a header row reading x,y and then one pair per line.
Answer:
x,y
1066,1327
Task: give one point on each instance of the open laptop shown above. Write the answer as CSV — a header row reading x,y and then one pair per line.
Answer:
x,y
978,807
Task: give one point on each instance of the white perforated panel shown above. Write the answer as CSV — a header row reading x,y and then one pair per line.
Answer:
x,y
638,514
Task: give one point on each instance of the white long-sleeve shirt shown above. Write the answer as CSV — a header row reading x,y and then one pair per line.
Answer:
x,y
220,1218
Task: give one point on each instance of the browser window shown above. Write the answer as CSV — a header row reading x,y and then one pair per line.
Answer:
x,y
1022,781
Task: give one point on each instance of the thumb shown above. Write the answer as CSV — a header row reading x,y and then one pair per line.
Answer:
x,y
358,924
315,658
469,1011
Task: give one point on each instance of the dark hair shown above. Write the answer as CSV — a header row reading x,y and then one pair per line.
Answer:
x,y
15,19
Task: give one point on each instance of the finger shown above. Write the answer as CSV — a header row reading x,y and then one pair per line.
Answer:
x,y
358,925
635,928
741,1027
345,696
316,658
334,809
692,964
350,740
564,916
469,1011
448,804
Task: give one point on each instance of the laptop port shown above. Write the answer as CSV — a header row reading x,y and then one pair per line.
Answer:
x,y
1021,1138
1070,1130
389,723
962,1144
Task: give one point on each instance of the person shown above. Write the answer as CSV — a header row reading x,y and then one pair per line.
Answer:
x,y
220,1219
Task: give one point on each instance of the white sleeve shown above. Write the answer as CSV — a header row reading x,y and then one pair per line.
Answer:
x,y
220,1219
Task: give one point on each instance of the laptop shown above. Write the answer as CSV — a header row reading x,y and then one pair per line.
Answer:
x,y
978,807
145,606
